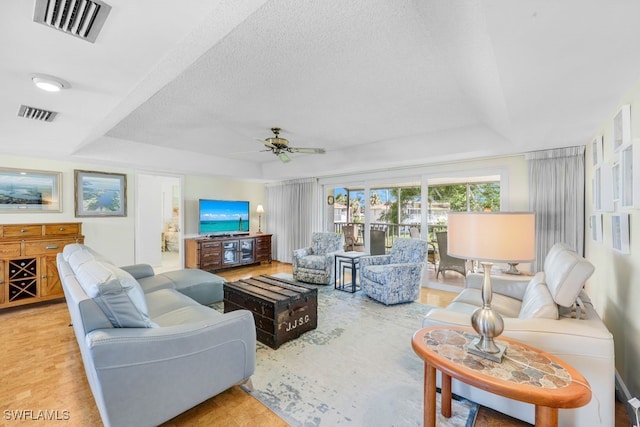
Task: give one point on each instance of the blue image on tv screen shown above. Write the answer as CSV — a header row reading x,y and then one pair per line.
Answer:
x,y
223,216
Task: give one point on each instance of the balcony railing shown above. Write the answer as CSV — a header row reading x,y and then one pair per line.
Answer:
x,y
392,231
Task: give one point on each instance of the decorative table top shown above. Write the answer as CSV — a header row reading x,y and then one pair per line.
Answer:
x,y
351,254
525,373
520,365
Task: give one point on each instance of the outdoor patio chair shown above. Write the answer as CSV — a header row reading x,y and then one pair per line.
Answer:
x,y
350,232
447,262
431,254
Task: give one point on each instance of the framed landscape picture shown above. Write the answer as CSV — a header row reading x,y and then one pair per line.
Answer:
x,y
23,190
100,194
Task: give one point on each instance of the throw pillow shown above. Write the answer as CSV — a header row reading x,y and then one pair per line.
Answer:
x,y
69,249
92,274
79,257
117,304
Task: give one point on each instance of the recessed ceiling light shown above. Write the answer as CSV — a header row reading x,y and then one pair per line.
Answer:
x,y
49,83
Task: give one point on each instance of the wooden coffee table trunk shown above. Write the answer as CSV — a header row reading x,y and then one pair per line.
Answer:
x,y
282,310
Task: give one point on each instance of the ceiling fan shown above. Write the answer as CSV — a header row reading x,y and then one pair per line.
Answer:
x,y
280,146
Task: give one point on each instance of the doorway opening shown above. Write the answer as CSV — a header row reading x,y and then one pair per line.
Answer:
x,y
159,221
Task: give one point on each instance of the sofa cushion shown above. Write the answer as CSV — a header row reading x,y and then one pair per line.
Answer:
x,y
313,262
79,257
68,250
565,273
168,307
116,303
505,305
202,286
537,301
92,274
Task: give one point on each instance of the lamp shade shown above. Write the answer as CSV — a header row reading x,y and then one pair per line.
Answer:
x,y
259,209
492,237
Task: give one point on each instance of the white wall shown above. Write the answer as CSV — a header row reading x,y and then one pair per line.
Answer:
x,y
615,285
200,187
114,236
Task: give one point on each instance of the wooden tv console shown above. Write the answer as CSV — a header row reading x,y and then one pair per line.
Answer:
x,y
220,252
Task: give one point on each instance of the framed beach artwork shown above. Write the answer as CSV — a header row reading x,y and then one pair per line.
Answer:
x,y
23,190
100,194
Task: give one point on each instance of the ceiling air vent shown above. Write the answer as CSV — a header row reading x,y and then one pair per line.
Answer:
x,y
36,113
79,18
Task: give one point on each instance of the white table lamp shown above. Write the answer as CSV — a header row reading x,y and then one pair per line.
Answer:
x,y
490,237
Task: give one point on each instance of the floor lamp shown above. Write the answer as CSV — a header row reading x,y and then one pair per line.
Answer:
x,y
260,211
490,237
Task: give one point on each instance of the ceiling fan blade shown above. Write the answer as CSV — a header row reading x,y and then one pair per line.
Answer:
x,y
284,157
266,143
308,150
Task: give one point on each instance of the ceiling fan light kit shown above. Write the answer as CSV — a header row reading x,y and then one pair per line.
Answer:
x,y
280,146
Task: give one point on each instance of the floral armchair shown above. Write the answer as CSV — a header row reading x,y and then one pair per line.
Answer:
x,y
315,264
395,278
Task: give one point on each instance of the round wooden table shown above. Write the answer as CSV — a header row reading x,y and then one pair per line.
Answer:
x,y
525,374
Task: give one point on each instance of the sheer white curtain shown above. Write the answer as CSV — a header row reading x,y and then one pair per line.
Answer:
x,y
556,195
292,215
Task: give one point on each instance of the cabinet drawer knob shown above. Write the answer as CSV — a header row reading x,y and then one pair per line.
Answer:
x,y
22,230
61,228
51,247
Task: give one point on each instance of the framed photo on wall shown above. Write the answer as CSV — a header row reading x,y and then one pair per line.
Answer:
x,y
620,232
615,185
99,194
629,185
23,190
622,127
595,223
597,151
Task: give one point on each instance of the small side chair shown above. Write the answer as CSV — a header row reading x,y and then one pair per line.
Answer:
x,y
315,263
396,277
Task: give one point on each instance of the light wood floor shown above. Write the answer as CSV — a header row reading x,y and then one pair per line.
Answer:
x,y
42,370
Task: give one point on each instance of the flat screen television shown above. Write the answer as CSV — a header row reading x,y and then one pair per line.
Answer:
x,y
218,217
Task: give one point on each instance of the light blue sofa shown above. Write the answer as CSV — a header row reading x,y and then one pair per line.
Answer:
x,y
149,351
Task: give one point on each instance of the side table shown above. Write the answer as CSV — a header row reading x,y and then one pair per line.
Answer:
x,y
526,374
350,260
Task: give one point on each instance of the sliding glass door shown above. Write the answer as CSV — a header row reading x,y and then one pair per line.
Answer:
x,y
399,207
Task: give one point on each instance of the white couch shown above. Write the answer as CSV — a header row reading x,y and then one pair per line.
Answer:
x,y
550,312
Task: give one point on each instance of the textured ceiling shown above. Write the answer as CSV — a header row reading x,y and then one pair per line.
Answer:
x,y
189,86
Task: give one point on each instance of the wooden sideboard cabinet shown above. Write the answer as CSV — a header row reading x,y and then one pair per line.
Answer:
x,y
217,253
28,269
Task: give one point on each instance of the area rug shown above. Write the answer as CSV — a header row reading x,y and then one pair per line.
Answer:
x,y
357,368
